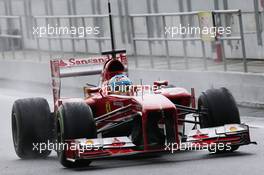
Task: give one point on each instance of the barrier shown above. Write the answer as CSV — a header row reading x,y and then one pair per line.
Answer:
x,y
6,36
70,19
184,39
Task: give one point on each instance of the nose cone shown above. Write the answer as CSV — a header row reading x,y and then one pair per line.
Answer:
x,y
154,102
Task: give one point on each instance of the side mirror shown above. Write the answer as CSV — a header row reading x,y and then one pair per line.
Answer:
x,y
91,90
161,83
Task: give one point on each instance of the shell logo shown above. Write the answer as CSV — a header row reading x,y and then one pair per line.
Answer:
x,y
89,142
233,129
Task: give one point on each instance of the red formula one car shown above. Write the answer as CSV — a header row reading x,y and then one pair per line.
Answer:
x,y
104,124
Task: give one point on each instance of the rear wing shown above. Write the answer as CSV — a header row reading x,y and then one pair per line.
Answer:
x,y
74,67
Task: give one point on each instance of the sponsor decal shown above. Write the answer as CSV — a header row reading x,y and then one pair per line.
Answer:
x,y
117,142
200,135
108,107
232,129
89,142
92,61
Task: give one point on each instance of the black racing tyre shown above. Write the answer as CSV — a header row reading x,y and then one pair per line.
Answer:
x,y
74,121
32,125
219,108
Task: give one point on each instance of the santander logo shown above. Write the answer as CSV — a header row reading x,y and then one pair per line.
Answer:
x,y
90,61
62,63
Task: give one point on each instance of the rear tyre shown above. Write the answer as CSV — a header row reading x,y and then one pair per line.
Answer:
x,y
32,125
220,108
74,121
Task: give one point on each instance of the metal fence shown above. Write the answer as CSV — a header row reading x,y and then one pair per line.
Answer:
x,y
164,39
71,20
9,37
135,32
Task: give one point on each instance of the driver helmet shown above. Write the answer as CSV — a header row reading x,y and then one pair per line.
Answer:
x,y
120,84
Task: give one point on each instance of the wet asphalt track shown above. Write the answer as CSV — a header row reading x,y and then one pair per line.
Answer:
x,y
248,160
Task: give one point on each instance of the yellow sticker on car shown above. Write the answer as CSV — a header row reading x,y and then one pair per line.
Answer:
x,y
233,129
89,142
108,107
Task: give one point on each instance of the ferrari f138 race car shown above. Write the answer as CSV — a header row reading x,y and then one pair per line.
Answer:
x,y
106,124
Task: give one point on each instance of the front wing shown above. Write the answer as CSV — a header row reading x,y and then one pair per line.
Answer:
x,y
232,134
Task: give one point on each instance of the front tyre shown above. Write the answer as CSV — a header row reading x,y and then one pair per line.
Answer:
x,y
74,121
219,108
